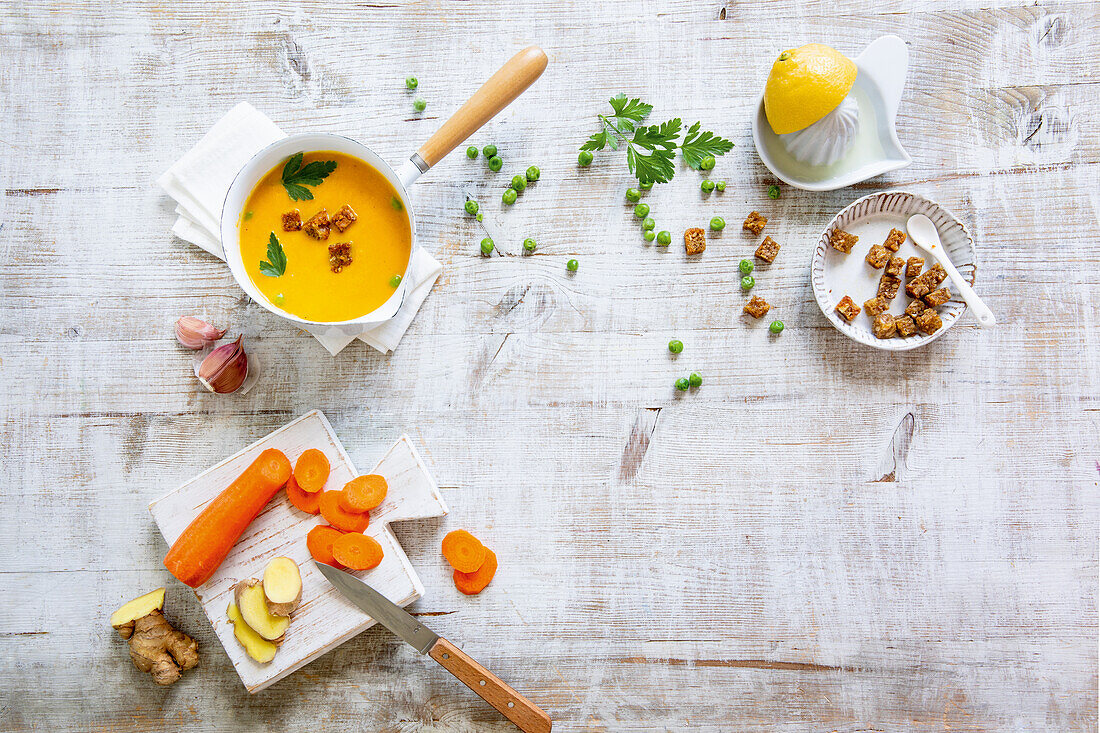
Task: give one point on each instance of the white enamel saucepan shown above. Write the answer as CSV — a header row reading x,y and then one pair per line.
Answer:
x,y
494,95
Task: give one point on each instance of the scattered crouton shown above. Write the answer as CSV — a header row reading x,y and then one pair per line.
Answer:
x,y
754,223
915,307
938,297
905,326
292,221
344,218
318,225
888,287
842,241
894,240
695,241
876,305
877,256
884,326
339,256
847,308
929,321
767,250
894,267
757,307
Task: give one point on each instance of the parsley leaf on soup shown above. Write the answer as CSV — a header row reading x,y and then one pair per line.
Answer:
x,y
296,176
275,264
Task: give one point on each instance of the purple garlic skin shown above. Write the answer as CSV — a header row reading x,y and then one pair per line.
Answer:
x,y
224,369
195,333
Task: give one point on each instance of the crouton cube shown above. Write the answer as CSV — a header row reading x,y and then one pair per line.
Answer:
x,y
847,308
767,250
894,240
917,287
339,256
757,307
344,218
292,221
928,321
905,326
884,326
318,225
913,266
894,267
935,275
842,241
888,287
877,256
915,307
695,241
938,297
876,305
754,223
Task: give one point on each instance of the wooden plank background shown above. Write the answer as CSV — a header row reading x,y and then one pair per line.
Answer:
x,y
821,538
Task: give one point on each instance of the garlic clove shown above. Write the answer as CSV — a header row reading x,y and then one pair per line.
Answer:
x,y
195,333
225,369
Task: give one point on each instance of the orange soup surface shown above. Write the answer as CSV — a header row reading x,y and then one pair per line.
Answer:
x,y
380,241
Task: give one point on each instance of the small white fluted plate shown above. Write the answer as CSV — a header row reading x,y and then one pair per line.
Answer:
x,y
835,274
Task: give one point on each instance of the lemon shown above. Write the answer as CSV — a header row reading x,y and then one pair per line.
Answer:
x,y
805,84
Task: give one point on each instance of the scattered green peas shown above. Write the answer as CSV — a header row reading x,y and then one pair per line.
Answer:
x,y
648,235
648,223
664,238
721,186
707,163
695,379
395,281
717,224
675,346
682,384
746,267
572,265
495,163
471,152
419,104
480,217
707,185
411,83
487,246
776,327
519,183
747,282
533,173
633,195
645,185
509,196
585,158
489,151
641,211
530,244
471,207
773,191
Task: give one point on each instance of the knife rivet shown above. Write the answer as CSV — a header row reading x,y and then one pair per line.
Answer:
x,y
511,704
482,683
446,655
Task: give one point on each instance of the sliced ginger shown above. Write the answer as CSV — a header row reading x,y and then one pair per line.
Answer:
x,y
257,647
156,646
282,586
252,604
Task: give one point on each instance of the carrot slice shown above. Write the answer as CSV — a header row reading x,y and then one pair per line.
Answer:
x,y
201,548
311,470
357,551
463,551
339,517
319,541
363,493
473,583
308,503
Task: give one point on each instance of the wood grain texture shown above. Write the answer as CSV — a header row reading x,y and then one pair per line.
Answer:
x,y
820,538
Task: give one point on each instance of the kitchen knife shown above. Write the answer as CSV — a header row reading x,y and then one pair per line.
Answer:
x,y
491,688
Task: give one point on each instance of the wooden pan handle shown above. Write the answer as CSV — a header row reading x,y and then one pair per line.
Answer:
x,y
520,72
491,688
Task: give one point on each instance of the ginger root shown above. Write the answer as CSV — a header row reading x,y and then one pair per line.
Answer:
x,y
156,646
282,586
252,603
257,647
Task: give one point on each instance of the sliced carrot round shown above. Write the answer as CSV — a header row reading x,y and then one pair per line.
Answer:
x,y
309,503
339,517
311,470
363,493
357,551
319,541
463,551
473,583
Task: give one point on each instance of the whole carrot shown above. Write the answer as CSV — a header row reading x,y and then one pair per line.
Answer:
x,y
202,547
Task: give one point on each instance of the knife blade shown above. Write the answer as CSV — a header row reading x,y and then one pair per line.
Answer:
x,y
514,706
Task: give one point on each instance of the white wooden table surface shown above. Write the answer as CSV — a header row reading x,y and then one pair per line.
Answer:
x,y
822,538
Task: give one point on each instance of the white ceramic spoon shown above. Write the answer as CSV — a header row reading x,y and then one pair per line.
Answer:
x,y
923,233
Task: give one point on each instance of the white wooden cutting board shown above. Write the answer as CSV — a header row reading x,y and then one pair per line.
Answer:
x,y
324,620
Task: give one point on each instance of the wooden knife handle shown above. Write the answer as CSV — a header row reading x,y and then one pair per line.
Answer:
x,y
516,75
491,688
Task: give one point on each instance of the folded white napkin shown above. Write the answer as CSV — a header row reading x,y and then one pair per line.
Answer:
x,y
199,182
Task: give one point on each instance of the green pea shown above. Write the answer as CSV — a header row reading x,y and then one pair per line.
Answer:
x,y
279,299
248,215
773,191
572,265
419,104
411,83
746,267
487,246
641,211
747,282
495,163
489,151
707,185
675,346
533,173
471,152
633,195
648,235
776,327
395,281
480,217
695,379
530,244
396,203
519,183
645,185
664,238
585,158
717,224
682,384
648,223
509,196
471,206
721,186
707,163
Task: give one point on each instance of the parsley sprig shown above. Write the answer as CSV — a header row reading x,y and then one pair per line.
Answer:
x,y
296,176
275,264
651,149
